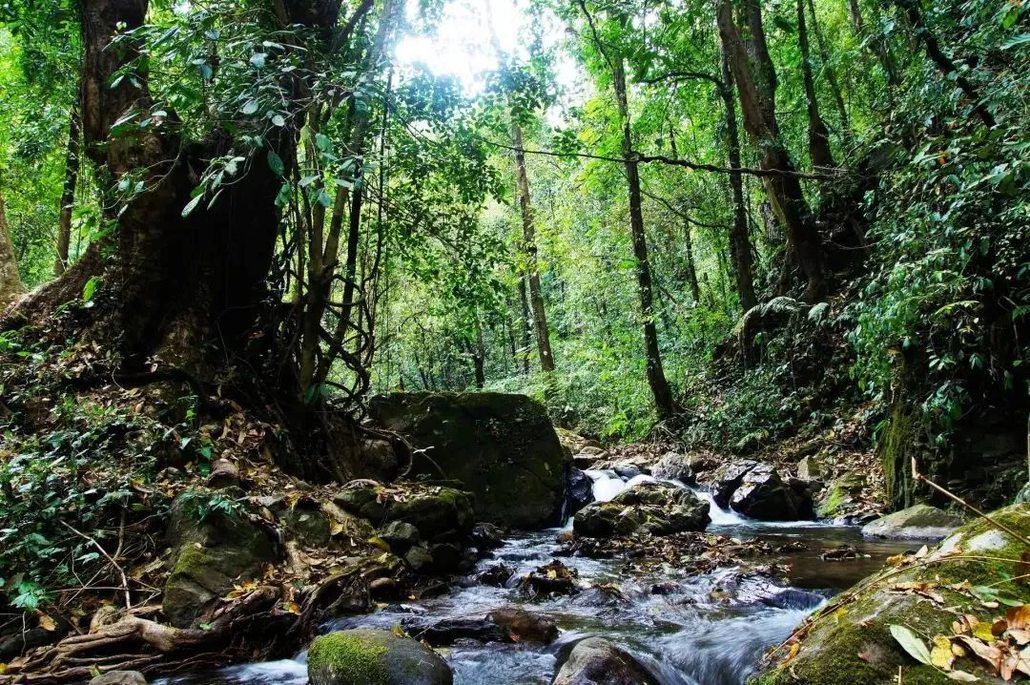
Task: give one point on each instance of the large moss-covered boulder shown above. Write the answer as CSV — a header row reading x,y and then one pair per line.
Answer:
x,y
950,599
655,507
595,661
920,522
214,546
502,447
374,657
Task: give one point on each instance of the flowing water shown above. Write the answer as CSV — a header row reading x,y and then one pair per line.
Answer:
x,y
709,629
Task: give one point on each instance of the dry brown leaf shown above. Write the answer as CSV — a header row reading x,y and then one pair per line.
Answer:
x,y
1019,617
46,622
990,654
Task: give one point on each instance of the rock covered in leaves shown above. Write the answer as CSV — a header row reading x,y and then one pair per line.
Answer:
x,y
379,657
502,447
958,611
215,545
919,522
428,526
595,661
657,508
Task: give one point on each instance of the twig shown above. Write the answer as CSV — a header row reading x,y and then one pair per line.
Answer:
x,y
997,524
125,579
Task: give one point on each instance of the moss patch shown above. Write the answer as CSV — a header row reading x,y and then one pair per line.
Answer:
x,y
347,657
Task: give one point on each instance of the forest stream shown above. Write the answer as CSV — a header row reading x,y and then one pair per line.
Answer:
x,y
709,629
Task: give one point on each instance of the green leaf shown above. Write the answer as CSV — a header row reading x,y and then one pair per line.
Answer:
x,y
90,289
258,59
278,120
912,644
191,205
250,107
275,163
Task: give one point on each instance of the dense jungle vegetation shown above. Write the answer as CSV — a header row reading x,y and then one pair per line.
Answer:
x,y
737,227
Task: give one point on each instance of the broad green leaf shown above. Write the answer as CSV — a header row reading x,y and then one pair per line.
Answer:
x,y
912,644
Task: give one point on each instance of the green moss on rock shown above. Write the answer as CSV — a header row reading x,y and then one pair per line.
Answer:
x,y
849,640
374,657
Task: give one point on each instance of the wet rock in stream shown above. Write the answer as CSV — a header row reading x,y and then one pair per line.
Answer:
x,y
348,657
652,507
596,661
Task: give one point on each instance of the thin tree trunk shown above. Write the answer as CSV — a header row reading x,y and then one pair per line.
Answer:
x,y
942,61
818,135
536,297
688,242
71,178
740,241
479,357
831,75
756,86
524,301
10,280
665,405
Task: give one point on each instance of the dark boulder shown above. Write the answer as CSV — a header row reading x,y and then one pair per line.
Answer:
x,y
762,494
595,661
657,508
579,490
502,447
725,480
353,657
213,548
508,625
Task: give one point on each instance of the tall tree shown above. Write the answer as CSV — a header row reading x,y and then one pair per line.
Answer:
x,y
755,77
536,296
10,280
665,405
818,134
740,242
71,179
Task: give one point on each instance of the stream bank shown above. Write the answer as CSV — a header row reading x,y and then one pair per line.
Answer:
x,y
708,628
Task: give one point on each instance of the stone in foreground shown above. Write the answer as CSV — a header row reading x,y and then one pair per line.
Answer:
x,y
595,661
850,640
374,657
119,678
921,522
502,447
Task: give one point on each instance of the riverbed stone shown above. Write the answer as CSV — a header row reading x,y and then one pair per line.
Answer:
x,y
502,447
654,507
674,466
850,639
725,480
763,494
919,522
374,657
214,546
579,490
596,661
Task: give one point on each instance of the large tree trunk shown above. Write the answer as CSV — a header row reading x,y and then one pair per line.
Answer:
x,y
818,134
756,86
536,296
740,242
71,179
10,280
665,405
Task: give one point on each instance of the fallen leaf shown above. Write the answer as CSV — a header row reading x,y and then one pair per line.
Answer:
x,y
963,677
940,653
911,643
1019,617
46,622
988,653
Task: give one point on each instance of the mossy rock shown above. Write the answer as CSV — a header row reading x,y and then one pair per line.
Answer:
x,y
502,447
211,551
374,657
919,522
849,640
658,508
